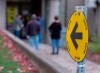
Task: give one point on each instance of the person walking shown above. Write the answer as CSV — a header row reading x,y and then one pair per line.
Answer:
x,y
33,29
40,19
55,29
17,25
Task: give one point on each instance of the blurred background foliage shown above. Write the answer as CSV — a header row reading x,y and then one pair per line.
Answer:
x,y
94,45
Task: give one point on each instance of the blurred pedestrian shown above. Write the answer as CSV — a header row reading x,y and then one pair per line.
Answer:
x,y
17,25
55,29
23,32
40,19
33,29
26,18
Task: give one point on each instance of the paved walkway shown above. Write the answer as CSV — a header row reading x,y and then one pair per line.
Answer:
x,y
65,60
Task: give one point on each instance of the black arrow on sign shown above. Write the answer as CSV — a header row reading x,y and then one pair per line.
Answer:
x,y
75,35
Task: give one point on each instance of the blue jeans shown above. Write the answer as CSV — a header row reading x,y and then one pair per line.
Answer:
x,y
17,33
34,41
40,37
55,46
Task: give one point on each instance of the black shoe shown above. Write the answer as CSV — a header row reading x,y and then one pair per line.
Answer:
x,y
57,53
52,53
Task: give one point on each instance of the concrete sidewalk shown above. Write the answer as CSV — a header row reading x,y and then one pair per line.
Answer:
x,y
64,60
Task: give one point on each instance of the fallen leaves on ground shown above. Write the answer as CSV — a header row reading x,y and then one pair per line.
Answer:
x,y
25,65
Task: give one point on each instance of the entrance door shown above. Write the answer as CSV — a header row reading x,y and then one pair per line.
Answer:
x,y
36,6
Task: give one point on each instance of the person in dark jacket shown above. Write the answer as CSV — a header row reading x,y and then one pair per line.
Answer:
x,y
33,29
55,29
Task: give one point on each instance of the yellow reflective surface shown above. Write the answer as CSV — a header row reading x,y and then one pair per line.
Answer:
x,y
79,53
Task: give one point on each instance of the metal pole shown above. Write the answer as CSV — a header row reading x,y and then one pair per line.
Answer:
x,y
81,65
86,8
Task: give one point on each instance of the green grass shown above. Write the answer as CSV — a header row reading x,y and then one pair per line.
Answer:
x,y
1,41
6,60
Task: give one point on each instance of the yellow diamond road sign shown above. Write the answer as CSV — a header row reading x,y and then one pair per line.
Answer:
x,y
77,36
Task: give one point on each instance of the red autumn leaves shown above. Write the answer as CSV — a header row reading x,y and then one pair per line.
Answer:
x,y
25,65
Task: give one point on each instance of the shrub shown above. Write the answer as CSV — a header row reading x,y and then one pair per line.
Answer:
x,y
95,45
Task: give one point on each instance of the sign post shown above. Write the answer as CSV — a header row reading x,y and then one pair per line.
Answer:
x,y
81,65
77,36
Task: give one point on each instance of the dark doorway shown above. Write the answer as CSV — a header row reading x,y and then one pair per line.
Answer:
x,y
36,6
22,7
